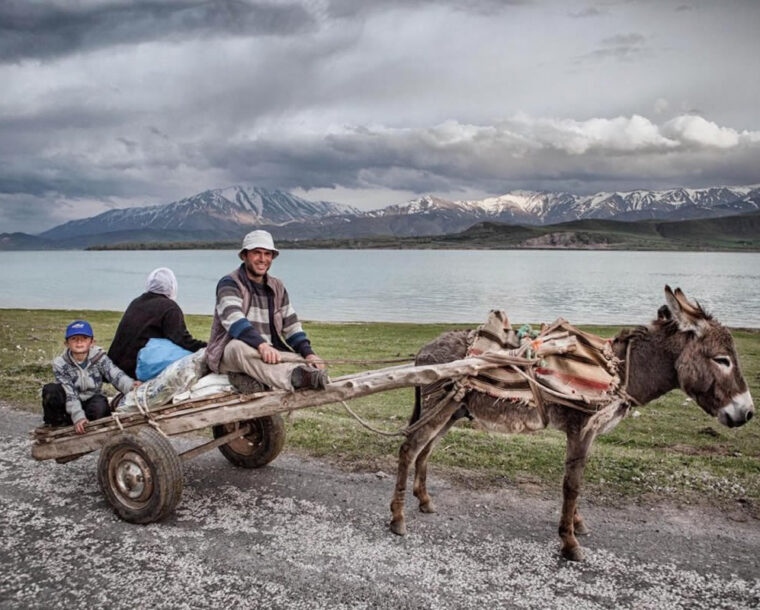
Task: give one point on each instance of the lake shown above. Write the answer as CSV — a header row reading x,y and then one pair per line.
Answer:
x,y
408,285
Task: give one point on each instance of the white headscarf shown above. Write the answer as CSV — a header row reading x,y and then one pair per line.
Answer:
x,y
162,281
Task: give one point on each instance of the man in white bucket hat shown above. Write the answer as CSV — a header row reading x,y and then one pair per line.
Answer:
x,y
255,330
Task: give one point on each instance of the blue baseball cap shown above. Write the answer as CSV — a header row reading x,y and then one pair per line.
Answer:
x,y
79,327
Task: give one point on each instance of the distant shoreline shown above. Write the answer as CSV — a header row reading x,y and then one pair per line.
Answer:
x,y
283,245
205,319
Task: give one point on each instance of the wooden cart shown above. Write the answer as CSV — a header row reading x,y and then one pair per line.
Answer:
x,y
139,470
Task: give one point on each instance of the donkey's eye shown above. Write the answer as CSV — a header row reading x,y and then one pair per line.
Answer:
x,y
723,361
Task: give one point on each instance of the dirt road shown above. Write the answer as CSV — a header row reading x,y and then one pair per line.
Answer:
x,y
301,534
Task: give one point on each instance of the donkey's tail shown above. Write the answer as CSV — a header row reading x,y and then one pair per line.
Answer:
x,y
417,405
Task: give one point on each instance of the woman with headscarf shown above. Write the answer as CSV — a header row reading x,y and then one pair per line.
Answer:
x,y
153,314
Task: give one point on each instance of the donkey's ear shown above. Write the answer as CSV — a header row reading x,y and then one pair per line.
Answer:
x,y
688,316
663,313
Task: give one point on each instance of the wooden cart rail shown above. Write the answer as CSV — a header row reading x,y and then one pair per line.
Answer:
x,y
230,408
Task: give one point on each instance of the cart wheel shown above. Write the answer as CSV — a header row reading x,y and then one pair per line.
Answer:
x,y
259,447
141,475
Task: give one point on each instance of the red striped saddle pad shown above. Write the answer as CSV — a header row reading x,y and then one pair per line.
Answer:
x,y
568,365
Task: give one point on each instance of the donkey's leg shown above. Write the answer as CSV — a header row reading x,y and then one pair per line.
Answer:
x,y
409,451
575,463
420,470
579,525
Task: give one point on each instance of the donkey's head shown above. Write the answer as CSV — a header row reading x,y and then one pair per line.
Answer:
x,y
707,366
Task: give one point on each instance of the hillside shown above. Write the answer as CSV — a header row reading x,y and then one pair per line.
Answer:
x,y
23,241
740,232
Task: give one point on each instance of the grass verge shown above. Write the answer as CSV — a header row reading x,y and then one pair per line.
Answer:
x,y
668,450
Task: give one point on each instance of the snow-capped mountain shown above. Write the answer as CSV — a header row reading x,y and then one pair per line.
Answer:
x,y
230,212
533,207
213,213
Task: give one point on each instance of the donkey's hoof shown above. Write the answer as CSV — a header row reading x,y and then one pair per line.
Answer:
x,y
398,527
427,507
574,554
581,530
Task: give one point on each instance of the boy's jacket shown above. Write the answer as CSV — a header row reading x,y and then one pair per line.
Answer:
x,y
83,383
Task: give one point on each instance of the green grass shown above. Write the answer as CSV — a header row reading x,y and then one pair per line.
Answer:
x,y
670,450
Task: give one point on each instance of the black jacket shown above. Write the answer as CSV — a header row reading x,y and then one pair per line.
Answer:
x,y
149,315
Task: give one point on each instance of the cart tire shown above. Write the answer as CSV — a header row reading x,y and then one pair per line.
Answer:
x,y
141,475
259,447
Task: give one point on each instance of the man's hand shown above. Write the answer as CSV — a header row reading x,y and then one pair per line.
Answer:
x,y
79,426
269,354
315,361
136,384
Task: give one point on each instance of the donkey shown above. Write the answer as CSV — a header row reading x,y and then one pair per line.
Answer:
x,y
684,347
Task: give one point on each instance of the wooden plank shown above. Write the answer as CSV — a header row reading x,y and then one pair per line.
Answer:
x,y
45,433
222,440
270,403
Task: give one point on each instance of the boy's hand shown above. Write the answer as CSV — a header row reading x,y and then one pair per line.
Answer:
x,y
79,426
136,384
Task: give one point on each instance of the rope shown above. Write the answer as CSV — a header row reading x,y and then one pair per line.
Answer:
x,y
401,432
145,412
457,393
143,409
362,361
115,417
568,397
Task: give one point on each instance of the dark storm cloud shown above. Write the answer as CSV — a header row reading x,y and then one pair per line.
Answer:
x,y
42,30
131,145
624,40
453,157
447,157
621,47
65,179
157,132
27,213
352,8
591,11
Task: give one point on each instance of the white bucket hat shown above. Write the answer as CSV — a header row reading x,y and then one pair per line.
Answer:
x,y
258,239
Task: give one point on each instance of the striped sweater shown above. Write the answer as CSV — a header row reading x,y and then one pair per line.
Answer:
x,y
82,381
255,314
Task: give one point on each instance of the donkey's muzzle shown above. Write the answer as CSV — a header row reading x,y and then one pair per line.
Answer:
x,y
738,412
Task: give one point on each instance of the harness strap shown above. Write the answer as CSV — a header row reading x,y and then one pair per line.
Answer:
x,y
623,390
537,396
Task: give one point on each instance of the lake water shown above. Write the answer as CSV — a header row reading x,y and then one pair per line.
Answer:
x,y
408,285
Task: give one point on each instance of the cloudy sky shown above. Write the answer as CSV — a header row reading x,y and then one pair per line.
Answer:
x,y
115,103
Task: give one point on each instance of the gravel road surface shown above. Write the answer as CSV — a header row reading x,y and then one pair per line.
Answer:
x,y
302,534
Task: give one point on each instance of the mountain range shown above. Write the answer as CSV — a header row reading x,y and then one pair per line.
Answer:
x,y
212,213
228,213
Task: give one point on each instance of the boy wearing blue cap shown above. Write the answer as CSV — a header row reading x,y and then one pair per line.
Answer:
x,y
79,372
